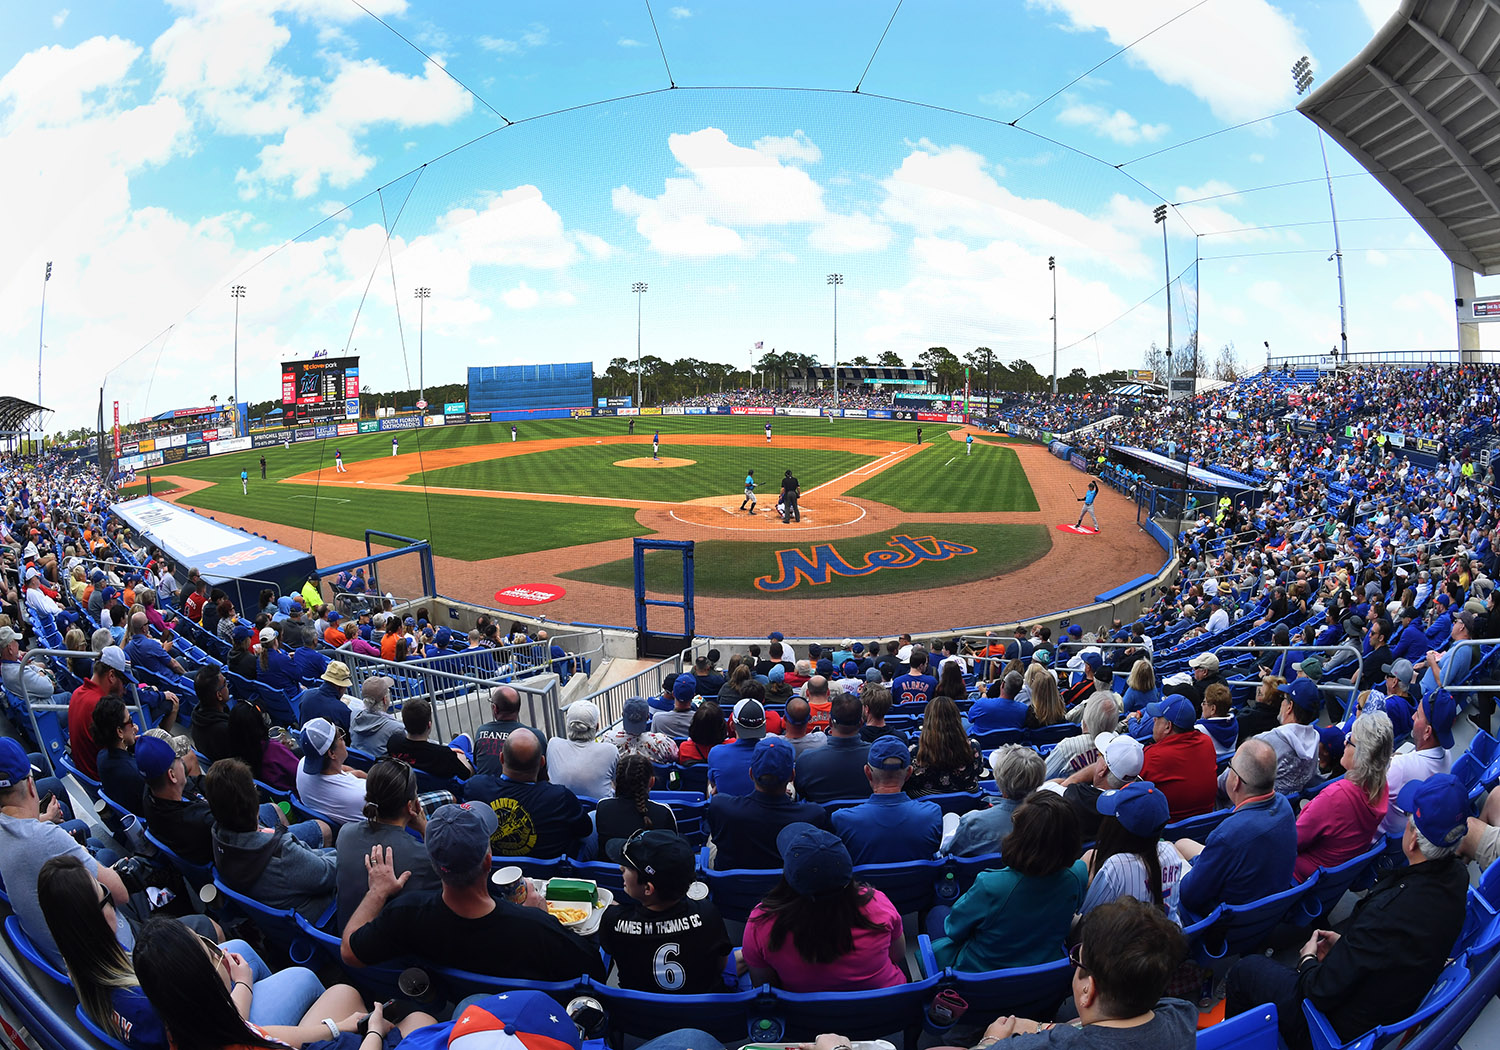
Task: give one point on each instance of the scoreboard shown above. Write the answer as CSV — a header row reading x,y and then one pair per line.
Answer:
x,y
319,390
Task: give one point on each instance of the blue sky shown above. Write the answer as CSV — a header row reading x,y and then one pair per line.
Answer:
x,y
158,153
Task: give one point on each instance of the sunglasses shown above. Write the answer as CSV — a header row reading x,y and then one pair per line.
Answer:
x,y
1075,956
106,899
214,951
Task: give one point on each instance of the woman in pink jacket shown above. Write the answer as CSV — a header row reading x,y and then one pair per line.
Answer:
x,y
1340,822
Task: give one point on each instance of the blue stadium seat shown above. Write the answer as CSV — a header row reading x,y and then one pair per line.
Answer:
x,y
1245,928
727,1015
1334,882
1444,991
98,1033
21,942
199,875
1026,991
859,1015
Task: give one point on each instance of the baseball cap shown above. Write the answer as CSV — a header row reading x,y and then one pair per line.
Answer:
x,y
1140,807
31,571
825,668
1468,619
1408,613
777,673
1441,709
582,713
110,593
888,752
7,635
443,636
664,857
685,687
1208,660
1401,670
1124,755
1094,660
775,636
153,757
243,633
1302,692
1075,630
857,648
316,738
874,675
849,668
337,673
15,765
1439,806
1312,667
113,656
635,718
1332,737
267,634
526,1019
1176,709
749,720
773,757
458,838
410,621
814,862
333,616
1043,657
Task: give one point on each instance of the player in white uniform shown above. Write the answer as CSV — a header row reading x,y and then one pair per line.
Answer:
x,y
395,444
768,433
338,462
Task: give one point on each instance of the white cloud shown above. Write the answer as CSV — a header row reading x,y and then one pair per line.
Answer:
x,y
59,18
1117,125
626,41
536,35
681,12
1378,11
1233,56
796,146
1376,257
522,297
1003,99
850,233
55,85
515,228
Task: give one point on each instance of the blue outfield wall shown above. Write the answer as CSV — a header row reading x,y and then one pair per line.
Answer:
x,y
509,388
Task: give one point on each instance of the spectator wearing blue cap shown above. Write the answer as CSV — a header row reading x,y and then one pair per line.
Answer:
x,y
461,926
1019,914
1182,762
1431,737
1295,739
1252,852
1129,858
819,930
676,722
635,735
837,769
743,828
1388,953
890,828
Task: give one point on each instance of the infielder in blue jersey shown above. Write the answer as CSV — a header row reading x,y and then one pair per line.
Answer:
x,y
749,492
655,444
969,445
1087,499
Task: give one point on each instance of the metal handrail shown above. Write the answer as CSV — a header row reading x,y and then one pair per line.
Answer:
x,y
611,699
1342,647
32,707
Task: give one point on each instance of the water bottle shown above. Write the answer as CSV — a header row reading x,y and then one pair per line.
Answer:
x,y
767,1030
947,889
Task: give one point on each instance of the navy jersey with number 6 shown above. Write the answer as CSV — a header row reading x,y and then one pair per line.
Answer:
x,y
678,951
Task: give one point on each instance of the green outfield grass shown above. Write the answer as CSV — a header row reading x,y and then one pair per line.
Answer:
x,y
589,470
942,478
473,528
729,568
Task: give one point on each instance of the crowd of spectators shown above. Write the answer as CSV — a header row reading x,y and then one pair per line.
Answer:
x,y
785,398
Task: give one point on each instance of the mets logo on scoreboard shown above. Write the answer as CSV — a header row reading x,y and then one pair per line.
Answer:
x,y
240,557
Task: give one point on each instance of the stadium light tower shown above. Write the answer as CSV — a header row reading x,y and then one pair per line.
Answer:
x,y
1052,265
639,288
834,280
1302,79
237,292
423,294
1161,218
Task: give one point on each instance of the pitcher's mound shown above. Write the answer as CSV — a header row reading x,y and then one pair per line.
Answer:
x,y
647,461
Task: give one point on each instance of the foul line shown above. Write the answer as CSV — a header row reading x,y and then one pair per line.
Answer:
x,y
335,499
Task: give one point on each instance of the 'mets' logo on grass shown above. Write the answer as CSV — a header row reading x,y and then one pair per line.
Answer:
x,y
824,562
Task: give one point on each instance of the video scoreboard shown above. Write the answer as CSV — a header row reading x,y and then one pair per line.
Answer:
x,y
319,390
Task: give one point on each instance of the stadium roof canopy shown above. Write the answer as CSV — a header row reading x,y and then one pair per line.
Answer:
x,y
1419,108
14,411
857,373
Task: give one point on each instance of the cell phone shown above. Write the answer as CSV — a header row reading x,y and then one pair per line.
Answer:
x,y
47,801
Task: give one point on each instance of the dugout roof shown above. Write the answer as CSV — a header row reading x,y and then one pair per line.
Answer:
x,y
1419,108
14,411
852,373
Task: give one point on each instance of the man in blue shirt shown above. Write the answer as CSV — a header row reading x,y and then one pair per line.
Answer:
x,y
837,769
277,670
146,653
890,828
1002,710
1251,854
1411,641
306,660
743,828
916,686
729,763
326,699
536,818
1452,667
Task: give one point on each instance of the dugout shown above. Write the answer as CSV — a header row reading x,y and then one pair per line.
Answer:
x,y
1168,473
531,391
239,563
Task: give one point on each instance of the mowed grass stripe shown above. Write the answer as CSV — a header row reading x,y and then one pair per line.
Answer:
x,y
991,480
729,568
589,470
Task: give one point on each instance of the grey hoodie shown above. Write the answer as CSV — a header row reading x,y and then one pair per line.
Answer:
x,y
276,869
369,730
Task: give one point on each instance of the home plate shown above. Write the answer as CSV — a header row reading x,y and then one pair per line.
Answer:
x,y
1081,530
359,482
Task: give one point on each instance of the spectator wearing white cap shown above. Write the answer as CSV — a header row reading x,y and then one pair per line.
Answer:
x,y
324,783
1120,759
33,681
729,763
580,762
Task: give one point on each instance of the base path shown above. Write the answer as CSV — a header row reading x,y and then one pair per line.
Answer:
x,y
1076,569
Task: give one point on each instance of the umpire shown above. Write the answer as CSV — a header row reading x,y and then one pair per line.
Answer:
x,y
790,491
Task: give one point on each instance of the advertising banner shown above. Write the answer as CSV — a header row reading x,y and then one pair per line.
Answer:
x,y
345,429
798,412
583,413
194,435
267,440
369,426
615,402
627,411
117,430
479,417
153,459
675,410
880,413
196,451
400,423
1399,440
855,413
750,410
432,421
955,417
147,445
183,413
129,448
1078,461
1427,445
455,408
326,430
172,441
650,411
456,417
304,434
695,410
174,455
229,445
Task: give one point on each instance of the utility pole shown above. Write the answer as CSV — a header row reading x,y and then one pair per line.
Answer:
x,y
834,280
639,288
1052,266
423,294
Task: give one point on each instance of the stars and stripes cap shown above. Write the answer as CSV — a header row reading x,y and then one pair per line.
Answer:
x,y
519,1020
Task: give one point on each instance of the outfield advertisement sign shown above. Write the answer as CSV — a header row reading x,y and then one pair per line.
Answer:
x,y
880,413
129,448
267,440
432,421
750,410
456,417
229,445
476,417
172,441
196,451
799,412
346,429
856,413
400,423
369,426
695,410
627,412
650,411
147,445
455,408
304,434
581,413
1078,461
326,430
676,410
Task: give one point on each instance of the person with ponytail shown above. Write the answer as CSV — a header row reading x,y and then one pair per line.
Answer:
x,y
392,813
201,995
631,809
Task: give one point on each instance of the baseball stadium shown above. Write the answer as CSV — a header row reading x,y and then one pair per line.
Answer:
x,y
409,645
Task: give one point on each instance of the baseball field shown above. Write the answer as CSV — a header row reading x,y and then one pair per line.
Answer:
x,y
948,526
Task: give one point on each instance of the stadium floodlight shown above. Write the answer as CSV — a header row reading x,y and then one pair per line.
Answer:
x,y
423,294
1052,266
1302,79
1160,215
639,288
834,280
237,292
